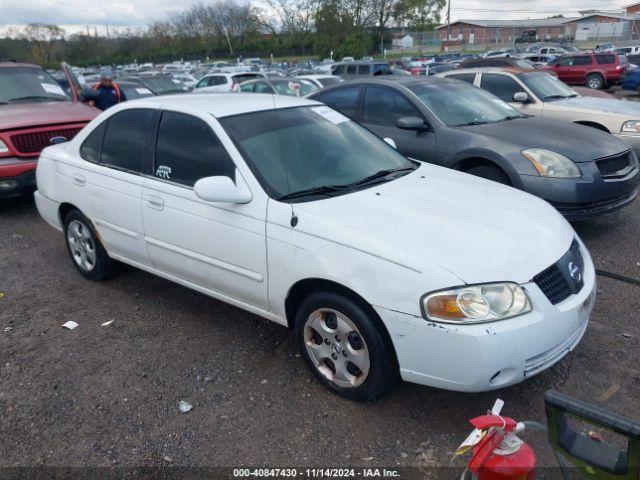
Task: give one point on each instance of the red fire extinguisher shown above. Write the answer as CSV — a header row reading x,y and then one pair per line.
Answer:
x,y
497,452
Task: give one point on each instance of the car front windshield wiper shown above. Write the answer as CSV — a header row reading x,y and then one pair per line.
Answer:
x,y
557,97
381,174
471,123
332,189
35,97
309,192
512,117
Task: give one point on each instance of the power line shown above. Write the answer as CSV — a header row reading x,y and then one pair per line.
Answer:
x,y
552,10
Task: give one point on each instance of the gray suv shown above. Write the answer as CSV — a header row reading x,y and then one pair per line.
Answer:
x,y
366,68
581,171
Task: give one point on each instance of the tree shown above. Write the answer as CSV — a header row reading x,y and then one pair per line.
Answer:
x,y
42,38
419,14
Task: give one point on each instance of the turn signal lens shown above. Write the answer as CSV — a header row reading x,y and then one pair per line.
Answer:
x,y
3,148
476,303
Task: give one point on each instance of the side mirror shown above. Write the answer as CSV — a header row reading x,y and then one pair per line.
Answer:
x,y
391,142
222,189
521,97
412,123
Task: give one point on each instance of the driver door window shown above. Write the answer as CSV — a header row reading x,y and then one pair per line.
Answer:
x,y
501,86
188,150
382,107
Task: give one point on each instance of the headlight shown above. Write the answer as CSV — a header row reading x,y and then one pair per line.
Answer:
x,y
476,303
551,164
3,147
632,126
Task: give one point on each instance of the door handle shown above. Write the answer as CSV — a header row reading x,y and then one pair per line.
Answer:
x,y
155,202
78,179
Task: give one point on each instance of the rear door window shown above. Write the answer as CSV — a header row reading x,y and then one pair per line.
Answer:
x,y
583,60
345,100
125,138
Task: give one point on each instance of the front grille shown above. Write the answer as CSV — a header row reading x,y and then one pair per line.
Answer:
x,y
616,166
556,281
34,142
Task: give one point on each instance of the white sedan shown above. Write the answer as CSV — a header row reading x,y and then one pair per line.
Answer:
x,y
224,82
384,267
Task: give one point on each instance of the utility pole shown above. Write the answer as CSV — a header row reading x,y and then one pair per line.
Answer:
x,y
448,24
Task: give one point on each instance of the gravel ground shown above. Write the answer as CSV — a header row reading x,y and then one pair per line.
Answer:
x,y
108,396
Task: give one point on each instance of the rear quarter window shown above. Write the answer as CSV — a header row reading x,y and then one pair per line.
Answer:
x,y
605,59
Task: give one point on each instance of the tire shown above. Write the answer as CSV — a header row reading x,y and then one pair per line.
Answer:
x,y
87,253
344,347
595,81
490,172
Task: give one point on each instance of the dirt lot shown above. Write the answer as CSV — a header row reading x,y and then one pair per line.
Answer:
x,y
105,396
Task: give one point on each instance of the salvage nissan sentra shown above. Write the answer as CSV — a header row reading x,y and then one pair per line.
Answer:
x,y
383,266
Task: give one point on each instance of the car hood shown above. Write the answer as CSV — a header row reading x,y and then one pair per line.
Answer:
x,y
577,142
475,229
22,115
630,110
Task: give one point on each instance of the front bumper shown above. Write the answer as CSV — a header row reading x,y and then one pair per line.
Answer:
x,y
632,140
487,356
17,177
589,196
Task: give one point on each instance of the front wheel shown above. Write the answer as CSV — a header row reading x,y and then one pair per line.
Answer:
x,y
86,251
344,347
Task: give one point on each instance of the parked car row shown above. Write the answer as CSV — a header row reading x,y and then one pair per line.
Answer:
x,y
294,209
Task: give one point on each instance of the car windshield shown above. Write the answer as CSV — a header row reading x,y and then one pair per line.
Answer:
x,y
307,152
459,104
546,87
293,88
163,85
28,84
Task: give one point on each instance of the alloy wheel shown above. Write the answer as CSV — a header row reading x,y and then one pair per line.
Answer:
x,y
337,348
81,245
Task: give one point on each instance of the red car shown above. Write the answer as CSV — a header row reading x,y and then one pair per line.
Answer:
x,y
34,113
595,70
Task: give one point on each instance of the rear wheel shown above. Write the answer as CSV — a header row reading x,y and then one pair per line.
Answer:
x,y
490,172
86,251
344,348
595,81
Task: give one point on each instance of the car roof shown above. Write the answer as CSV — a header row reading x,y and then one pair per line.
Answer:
x,y
406,81
222,104
513,70
10,64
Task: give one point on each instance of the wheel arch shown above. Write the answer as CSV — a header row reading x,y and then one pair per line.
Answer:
x,y
467,163
64,210
303,288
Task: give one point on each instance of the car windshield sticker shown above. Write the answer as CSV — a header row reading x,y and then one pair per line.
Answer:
x,y
50,88
163,171
143,91
329,114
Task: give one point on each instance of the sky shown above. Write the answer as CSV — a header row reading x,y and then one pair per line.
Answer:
x,y
75,15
